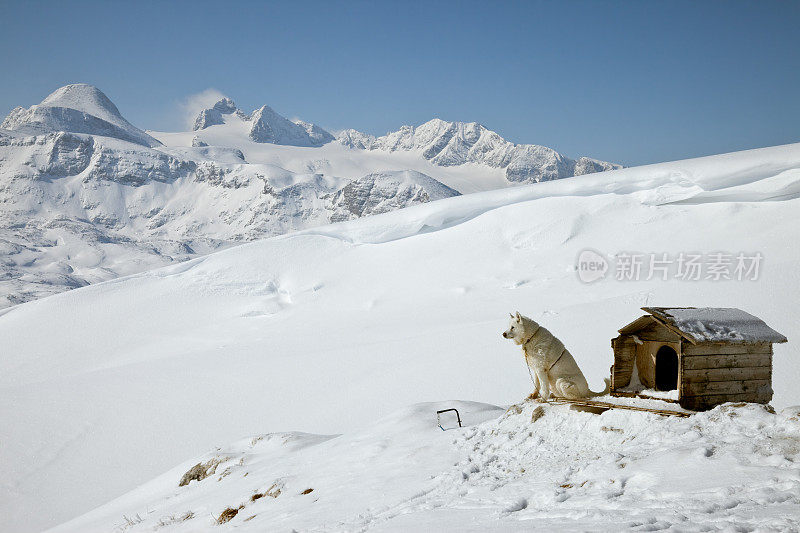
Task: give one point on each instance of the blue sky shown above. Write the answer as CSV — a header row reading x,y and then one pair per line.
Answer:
x,y
635,82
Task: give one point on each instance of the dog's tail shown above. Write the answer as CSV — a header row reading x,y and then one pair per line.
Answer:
x,y
604,392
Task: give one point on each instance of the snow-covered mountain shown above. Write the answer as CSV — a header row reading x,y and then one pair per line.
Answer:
x,y
456,143
381,192
326,330
85,196
79,209
265,125
77,108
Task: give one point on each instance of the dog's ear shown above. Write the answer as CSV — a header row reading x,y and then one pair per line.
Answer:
x,y
519,317
511,315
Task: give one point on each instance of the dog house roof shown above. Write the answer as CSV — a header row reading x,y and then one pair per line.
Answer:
x,y
708,324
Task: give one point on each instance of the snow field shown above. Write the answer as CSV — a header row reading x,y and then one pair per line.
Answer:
x,y
323,330
535,466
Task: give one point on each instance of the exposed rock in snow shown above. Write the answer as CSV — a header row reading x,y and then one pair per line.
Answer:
x,y
206,118
197,142
456,143
382,192
77,108
587,165
529,162
213,115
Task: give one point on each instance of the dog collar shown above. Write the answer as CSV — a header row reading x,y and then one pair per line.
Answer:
x,y
532,334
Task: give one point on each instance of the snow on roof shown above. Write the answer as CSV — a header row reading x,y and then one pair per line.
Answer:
x,y
715,324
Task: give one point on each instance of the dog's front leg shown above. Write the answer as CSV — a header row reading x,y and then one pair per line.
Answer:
x,y
544,385
535,394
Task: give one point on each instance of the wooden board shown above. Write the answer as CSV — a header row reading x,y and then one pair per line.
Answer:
x,y
637,325
657,332
594,409
693,362
624,354
726,387
701,403
606,405
724,349
646,363
704,375
625,394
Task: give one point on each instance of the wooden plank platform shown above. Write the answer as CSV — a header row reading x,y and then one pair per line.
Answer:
x,y
594,406
625,394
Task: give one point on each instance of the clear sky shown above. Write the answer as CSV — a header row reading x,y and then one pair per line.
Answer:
x,y
629,82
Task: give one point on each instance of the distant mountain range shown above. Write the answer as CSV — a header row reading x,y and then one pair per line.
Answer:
x,y
85,196
441,142
456,143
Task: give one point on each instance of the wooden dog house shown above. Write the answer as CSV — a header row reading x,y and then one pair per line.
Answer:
x,y
708,355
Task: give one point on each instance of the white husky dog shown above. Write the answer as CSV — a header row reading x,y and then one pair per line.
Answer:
x,y
554,369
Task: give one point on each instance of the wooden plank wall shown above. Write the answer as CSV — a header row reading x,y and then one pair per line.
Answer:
x,y
718,373
624,353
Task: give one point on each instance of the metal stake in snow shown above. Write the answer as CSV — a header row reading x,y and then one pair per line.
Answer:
x,y
438,417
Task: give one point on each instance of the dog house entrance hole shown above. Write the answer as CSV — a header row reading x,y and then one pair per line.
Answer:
x,y
666,369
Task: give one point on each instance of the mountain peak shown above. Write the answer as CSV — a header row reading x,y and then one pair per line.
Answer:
x,y
83,97
355,139
225,105
213,115
77,108
270,127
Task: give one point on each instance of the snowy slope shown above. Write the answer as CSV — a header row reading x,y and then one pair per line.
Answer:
x,y
327,329
87,197
544,468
